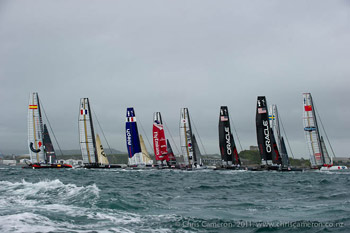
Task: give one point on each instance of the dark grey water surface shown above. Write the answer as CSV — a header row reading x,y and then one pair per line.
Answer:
x,y
81,200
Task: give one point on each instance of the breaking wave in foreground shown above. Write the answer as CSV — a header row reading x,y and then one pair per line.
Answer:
x,y
81,200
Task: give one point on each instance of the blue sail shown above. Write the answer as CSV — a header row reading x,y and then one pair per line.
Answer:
x,y
132,134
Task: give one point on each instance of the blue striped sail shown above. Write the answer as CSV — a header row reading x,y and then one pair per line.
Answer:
x,y
132,138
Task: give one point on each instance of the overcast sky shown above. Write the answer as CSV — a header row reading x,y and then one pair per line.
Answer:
x,y
165,55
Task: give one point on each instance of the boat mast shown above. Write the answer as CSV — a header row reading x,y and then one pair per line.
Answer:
x,y
92,131
194,154
185,137
41,132
317,129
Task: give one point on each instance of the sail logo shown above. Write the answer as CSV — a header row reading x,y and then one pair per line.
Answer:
x,y
223,118
309,129
267,136
131,119
228,142
261,110
160,127
308,108
128,137
189,142
83,111
156,142
102,151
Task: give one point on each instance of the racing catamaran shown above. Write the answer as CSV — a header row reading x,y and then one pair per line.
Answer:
x,y
319,156
138,155
162,149
90,145
192,158
270,157
229,156
42,154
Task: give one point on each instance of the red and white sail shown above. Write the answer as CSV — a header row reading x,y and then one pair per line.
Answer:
x,y
312,134
159,140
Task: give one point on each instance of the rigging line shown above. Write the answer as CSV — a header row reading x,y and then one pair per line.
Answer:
x,y
234,128
285,134
319,117
104,136
42,105
171,137
195,128
144,132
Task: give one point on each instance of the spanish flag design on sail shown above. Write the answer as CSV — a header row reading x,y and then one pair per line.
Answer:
x,y
33,106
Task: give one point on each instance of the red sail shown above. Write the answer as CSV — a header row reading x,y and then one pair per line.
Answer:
x,y
159,142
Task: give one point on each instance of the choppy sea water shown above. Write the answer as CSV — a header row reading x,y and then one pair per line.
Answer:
x,y
81,200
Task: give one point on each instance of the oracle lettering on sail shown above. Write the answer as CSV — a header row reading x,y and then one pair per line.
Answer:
x,y
267,136
228,142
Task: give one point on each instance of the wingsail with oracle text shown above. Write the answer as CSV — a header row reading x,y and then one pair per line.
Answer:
x,y
269,153
229,155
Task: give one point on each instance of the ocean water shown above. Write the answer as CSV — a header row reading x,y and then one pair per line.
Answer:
x,y
81,200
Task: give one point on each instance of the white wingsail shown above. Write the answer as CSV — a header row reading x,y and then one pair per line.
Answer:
x,y
86,132
186,137
311,130
35,130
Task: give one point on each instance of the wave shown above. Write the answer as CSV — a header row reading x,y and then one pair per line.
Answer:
x,y
46,192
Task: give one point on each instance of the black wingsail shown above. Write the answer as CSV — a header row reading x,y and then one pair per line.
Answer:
x,y
171,159
263,131
284,154
227,144
49,150
276,157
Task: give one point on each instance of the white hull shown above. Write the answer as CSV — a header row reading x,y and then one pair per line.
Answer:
x,y
333,168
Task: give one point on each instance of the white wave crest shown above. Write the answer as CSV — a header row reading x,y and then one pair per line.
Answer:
x,y
29,194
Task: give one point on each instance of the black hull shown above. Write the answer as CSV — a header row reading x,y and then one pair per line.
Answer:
x,y
44,166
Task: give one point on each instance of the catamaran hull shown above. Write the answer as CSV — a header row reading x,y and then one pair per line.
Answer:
x,y
41,166
334,168
102,166
230,168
